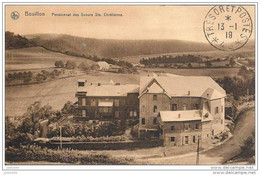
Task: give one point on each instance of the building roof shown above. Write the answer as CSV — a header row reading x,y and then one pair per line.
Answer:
x,y
109,90
184,86
175,116
103,64
212,94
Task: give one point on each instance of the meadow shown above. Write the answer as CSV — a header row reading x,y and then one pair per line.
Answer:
x,y
55,93
34,58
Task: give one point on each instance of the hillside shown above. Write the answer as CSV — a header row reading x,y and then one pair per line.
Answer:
x,y
36,58
114,48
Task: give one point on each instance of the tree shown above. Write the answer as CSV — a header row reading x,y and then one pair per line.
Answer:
x,y
59,64
68,130
95,67
34,113
71,65
208,64
40,77
248,148
232,62
83,66
69,109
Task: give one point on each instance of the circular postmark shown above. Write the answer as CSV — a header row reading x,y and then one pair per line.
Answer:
x,y
227,27
15,15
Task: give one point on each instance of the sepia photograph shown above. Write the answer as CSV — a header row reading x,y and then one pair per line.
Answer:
x,y
129,84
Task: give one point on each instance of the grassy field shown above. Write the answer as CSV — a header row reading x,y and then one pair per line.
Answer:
x,y
36,58
56,92
212,72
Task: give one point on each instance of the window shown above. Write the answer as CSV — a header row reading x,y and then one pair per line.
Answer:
x,y
174,107
172,139
80,84
184,107
83,102
154,121
154,109
143,121
186,127
83,113
186,140
172,128
93,102
135,113
116,102
216,110
222,121
194,139
195,106
222,109
105,109
154,97
117,114
196,126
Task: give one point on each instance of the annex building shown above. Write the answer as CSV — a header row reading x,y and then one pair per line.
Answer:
x,y
177,109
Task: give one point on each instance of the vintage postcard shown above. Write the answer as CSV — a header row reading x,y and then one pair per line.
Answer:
x,y
129,84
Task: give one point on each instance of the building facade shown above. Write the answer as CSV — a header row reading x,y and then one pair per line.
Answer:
x,y
181,103
108,102
178,109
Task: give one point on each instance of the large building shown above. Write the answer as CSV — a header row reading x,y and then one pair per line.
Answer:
x,y
181,108
178,109
108,102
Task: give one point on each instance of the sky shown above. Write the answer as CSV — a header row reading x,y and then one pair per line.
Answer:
x,y
137,22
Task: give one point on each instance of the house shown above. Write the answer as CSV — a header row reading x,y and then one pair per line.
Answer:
x,y
103,65
114,68
108,102
178,109
181,108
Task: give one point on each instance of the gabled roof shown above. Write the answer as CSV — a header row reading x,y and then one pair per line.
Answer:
x,y
212,94
109,90
184,86
175,116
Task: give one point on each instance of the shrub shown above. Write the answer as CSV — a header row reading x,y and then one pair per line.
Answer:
x,y
248,148
36,153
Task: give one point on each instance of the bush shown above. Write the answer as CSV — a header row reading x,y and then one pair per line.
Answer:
x,y
36,153
59,64
70,65
248,148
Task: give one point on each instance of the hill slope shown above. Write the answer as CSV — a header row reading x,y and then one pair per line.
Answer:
x,y
36,58
114,48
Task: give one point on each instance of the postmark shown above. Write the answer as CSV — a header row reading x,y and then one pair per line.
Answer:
x,y
227,27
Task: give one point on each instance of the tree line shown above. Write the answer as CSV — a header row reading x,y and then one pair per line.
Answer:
x,y
171,59
13,41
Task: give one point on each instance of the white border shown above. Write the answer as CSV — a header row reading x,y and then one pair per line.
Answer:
x,y
68,168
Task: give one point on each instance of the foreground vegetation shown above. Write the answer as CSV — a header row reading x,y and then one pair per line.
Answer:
x,y
36,153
